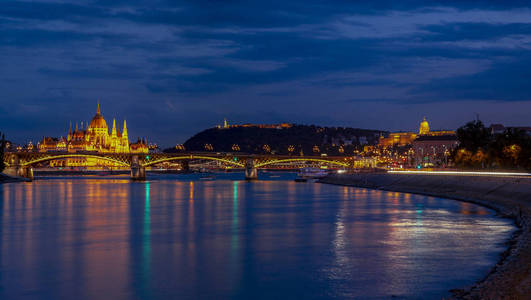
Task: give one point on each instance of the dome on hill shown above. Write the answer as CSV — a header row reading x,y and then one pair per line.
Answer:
x,y
424,127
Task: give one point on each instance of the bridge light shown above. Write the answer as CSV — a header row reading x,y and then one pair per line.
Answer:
x,y
147,157
235,158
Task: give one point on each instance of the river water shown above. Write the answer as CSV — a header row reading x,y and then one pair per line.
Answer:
x,y
187,237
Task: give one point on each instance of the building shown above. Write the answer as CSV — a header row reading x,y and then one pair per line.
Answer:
x,y
94,138
407,138
397,139
433,150
496,129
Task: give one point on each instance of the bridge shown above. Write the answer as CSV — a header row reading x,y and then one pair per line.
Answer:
x,y
22,163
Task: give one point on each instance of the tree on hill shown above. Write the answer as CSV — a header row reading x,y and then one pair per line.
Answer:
x,y
473,136
307,139
511,149
478,148
474,139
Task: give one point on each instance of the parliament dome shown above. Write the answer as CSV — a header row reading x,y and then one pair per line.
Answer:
x,y
98,121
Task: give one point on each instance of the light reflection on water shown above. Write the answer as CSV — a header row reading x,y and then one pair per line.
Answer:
x,y
181,237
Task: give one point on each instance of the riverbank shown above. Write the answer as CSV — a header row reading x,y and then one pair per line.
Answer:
x,y
510,278
6,178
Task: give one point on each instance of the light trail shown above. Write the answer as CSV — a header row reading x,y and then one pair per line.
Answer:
x,y
462,173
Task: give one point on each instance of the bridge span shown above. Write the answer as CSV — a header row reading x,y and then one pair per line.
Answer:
x,y
22,163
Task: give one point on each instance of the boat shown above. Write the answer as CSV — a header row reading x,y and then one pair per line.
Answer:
x,y
310,173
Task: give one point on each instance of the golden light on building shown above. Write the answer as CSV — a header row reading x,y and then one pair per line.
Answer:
x,y
407,138
94,138
424,127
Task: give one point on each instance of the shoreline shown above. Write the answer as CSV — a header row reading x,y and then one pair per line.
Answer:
x,y
6,179
510,197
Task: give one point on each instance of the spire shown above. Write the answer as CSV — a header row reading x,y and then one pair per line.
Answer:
x,y
76,126
113,134
124,132
69,137
98,110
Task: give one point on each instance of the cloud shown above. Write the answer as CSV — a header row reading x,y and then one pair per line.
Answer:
x,y
505,82
416,22
192,61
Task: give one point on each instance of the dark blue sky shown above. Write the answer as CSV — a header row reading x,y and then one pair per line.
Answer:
x,y
172,68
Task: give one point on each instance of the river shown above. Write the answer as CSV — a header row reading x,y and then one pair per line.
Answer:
x,y
219,237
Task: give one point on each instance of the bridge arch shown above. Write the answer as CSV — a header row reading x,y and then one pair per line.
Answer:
x,y
272,162
193,157
55,157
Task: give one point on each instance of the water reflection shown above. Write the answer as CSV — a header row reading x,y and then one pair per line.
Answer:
x,y
182,238
235,218
146,243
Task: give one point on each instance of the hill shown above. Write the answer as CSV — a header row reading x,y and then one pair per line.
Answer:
x,y
292,139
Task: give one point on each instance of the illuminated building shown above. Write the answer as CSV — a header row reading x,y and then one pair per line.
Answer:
x,y
94,138
407,138
424,127
433,150
397,138
140,146
49,144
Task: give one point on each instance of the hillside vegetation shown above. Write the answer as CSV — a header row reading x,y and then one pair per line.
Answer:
x,y
295,140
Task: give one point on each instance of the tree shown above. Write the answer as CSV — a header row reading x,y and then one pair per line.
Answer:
x,y
473,136
511,149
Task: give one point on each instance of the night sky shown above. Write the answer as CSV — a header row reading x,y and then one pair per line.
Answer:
x,y
173,68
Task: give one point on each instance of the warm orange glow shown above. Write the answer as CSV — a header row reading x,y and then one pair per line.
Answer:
x,y
94,138
191,191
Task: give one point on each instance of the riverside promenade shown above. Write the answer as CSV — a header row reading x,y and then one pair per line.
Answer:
x,y
510,196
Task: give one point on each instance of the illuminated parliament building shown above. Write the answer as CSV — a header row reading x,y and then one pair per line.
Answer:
x,y
94,138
